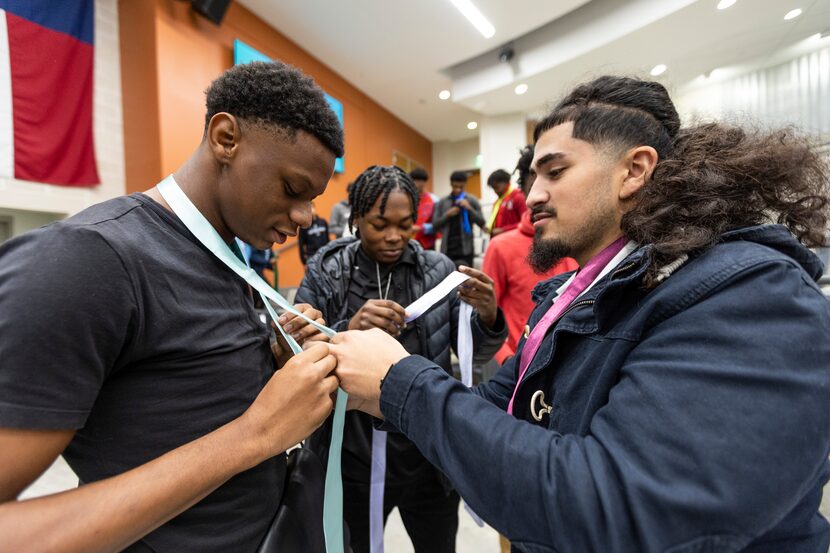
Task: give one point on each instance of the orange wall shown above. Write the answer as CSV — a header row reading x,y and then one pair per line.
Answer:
x,y
170,56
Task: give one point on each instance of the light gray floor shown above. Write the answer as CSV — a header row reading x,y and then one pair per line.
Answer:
x,y
471,538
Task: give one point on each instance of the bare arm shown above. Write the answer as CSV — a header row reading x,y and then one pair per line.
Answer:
x,y
111,514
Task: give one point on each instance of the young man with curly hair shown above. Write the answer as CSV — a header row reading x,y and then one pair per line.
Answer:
x,y
672,395
137,354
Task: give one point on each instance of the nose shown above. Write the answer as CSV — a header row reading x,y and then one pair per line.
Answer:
x,y
537,196
393,237
301,215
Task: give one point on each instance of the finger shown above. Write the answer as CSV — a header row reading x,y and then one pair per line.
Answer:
x,y
387,313
277,350
399,310
319,337
476,274
305,333
330,384
314,353
281,344
284,319
295,322
392,311
384,324
326,365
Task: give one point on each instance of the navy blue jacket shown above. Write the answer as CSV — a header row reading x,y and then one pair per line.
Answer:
x,y
694,417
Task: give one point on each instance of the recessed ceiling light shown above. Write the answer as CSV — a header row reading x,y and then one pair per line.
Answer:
x,y
723,4
792,14
468,10
520,88
444,94
472,125
658,70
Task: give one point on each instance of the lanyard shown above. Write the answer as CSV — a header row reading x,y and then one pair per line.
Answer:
x,y
593,271
204,232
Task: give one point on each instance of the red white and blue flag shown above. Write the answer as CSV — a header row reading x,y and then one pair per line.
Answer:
x,y
46,83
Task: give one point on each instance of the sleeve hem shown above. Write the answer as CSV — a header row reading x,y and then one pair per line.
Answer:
x,y
17,416
396,387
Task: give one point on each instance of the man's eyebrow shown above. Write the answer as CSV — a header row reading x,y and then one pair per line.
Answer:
x,y
547,158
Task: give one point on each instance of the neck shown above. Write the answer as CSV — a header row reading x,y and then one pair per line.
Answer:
x,y
582,258
198,179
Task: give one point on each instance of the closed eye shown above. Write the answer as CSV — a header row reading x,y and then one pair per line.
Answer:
x,y
556,173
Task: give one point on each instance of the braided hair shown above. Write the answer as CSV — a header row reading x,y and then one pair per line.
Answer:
x,y
380,181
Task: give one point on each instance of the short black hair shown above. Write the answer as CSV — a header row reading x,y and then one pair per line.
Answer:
x,y
497,176
620,112
458,176
278,94
377,180
419,174
523,167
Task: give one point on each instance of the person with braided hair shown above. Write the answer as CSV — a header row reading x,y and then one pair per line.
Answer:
x,y
670,396
364,282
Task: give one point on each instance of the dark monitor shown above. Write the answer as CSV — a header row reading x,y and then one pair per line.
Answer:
x,y
211,9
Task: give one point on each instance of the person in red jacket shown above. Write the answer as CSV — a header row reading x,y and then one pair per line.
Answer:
x,y
505,261
508,209
424,231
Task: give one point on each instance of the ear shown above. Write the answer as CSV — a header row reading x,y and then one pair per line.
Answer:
x,y
639,163
223,137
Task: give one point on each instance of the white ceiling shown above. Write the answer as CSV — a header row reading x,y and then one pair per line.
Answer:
x,y
402,53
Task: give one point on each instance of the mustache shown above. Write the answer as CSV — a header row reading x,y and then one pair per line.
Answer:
x,y
538,210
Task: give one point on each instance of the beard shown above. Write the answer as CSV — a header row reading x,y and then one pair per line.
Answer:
x,y
545,254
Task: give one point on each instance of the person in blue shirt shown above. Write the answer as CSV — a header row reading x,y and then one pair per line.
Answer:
x,y
673,395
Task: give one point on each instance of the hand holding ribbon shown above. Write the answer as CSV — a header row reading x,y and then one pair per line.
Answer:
x,y
298,327
478,290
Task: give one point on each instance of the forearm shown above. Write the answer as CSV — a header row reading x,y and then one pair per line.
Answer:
x,y
467,439
111,514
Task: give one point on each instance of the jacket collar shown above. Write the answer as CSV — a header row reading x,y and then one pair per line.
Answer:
x,y
633,267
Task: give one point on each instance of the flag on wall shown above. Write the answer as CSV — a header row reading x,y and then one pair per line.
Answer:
x,y
46,60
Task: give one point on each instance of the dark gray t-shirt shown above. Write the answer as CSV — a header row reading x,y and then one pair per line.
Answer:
x,y
118,323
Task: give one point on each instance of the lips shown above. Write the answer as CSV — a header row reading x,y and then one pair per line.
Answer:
x,y
278,237
540,218
391,253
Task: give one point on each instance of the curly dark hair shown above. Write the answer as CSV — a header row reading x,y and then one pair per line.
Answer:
x,y
419,173
523,168
709,179
278,94
722,177
497,176
380,180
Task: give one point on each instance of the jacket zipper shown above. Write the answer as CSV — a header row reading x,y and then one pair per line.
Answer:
x,y
574,306
623,269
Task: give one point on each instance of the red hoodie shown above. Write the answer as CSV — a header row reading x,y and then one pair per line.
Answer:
x,y
505,262
510,211
426,236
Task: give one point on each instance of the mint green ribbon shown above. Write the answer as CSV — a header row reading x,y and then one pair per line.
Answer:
x,y
196,223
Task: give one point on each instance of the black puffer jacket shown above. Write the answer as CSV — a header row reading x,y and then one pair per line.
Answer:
x,y
326,285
